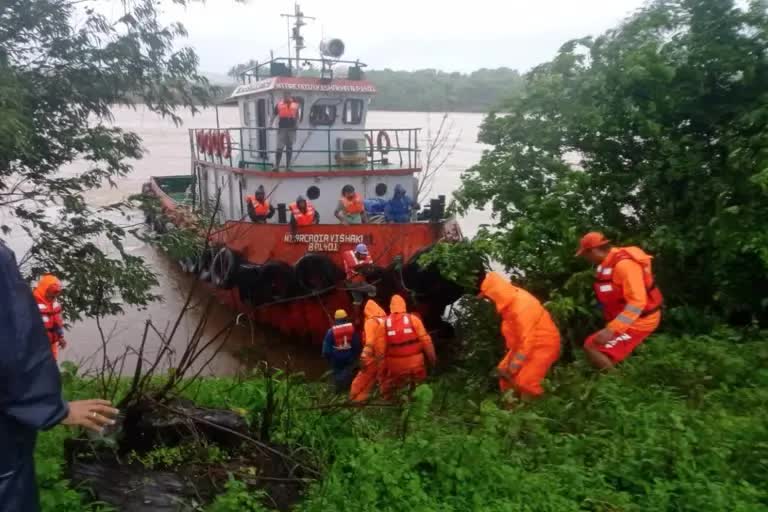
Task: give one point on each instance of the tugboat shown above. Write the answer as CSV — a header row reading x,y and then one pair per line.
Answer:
x,y
292,277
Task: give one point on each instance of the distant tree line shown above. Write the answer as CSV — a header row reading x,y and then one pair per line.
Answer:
x,y
436,91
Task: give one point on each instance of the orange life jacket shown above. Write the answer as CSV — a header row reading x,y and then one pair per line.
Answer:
x,y
303,219
351,261
51,314
286,110
402,340
342,336
611,294
261,209
351,207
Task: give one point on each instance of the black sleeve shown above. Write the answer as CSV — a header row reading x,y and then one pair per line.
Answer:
x,y
271,211
251,211
30,384
317,217
274,111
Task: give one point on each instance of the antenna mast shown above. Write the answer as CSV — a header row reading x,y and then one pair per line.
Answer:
x,y
298,39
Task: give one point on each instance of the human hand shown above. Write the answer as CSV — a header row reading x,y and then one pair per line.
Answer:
x,y
63,343
604,337
91,414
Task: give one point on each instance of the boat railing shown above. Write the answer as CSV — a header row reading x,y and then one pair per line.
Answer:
x,y
326,148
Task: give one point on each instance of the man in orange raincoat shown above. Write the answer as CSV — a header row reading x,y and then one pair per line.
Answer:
x,y
372,358
532,339
408,349
46,295
627,292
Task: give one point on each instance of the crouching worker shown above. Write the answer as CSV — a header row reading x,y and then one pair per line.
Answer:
x,y
372,356
532,339
408,349
341,347
46,295
626,290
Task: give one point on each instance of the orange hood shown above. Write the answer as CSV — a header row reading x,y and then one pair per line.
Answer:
x,y
499,290
373,310
397,305
46,282
636,253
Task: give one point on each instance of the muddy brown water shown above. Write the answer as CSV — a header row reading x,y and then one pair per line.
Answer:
x,y
167,153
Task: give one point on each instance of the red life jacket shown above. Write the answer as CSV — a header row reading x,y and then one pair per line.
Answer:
x,y
261,209
353,206
51,315
351,261
287,110
342,336
611,295
303,219
402,340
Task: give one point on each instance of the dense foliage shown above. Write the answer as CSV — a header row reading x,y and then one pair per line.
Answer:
x,y
654,132
680,428
63,66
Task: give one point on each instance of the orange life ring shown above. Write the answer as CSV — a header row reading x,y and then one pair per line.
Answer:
x,y
380,138
200,139
226,143
211,143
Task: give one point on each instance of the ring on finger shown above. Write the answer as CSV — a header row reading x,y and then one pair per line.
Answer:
x,y
93,414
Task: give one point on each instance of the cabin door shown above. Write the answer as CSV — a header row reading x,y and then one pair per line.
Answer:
x,y
261,123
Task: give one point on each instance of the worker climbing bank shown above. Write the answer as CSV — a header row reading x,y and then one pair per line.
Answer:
x,y
395,350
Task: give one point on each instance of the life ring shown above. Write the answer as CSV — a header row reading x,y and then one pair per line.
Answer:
x,y
211,143
226,142
380,138
369,140
317,273
200,139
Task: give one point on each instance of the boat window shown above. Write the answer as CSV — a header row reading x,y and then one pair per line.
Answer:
x,y
313,192
381,189
353,112
322,114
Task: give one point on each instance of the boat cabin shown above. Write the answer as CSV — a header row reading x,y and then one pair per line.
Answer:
x,y
333,147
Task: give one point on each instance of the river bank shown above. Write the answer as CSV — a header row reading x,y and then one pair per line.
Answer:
x,y
678,427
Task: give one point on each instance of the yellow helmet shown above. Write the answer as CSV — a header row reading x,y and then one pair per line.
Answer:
x,y
340,314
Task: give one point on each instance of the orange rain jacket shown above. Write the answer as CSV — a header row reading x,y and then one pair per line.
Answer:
x,y
400,371
50,310
628,274
373,352
532,339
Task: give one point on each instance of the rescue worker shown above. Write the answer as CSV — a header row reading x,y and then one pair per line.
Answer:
x,y
259,208
355,263
399,208
46,295
341,347
303,213
372,357
626,290
30,390
532,339
408,349
351,208
287,113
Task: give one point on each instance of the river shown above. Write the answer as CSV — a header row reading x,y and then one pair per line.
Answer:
x,y
167,153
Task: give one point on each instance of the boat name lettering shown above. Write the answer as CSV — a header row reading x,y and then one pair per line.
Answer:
x,y
270,83
319,238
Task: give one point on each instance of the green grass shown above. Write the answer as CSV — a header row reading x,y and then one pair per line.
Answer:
x,y
681,427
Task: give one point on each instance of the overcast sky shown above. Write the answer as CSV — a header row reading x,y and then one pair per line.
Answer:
x,y
401,34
